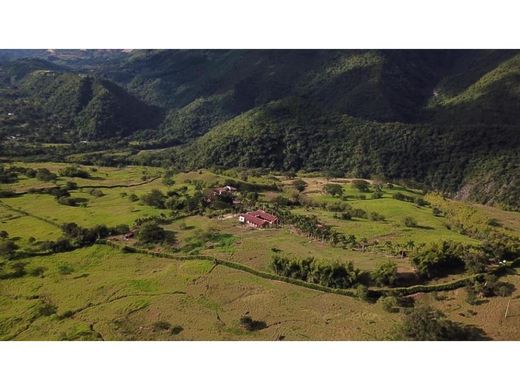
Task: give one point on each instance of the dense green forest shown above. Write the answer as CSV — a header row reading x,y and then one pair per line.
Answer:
x,y
445,119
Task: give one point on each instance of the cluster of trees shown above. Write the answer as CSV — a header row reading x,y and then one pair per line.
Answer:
x,y
312,227
12,270
8,175
74,171
361,185
330,275
178,200
427,324
250,324
42,174
412,199
152,233
343,210
62,194
385,274
441,258
488,286
75,236
8,246
333,189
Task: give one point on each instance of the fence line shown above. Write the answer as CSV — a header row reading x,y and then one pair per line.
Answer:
x,y
373,292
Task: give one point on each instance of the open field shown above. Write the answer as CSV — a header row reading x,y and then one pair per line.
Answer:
x,y
101,293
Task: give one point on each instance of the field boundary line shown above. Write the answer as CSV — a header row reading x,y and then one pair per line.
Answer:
x,y
107,186
375,292
27,214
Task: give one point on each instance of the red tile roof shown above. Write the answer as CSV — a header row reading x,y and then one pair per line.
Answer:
x,y
259,218
262,214
255,220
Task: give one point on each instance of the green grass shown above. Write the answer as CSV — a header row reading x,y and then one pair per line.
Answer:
x,y
111,295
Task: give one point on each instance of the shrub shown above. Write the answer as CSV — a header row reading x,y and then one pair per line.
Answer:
x,y
175,330
437,212
70,186
330,275
333,189
471,295
299,184
347,216
7,248
374,216
409,222
37,271
359,213
420,202
427,324
377,195
491,286
47,309
96,192
154,198
475,262
363,293
161,325
18,270
251,325
65,269
494,222
389,304
439,258
43,174
70,201
361,185
385,274
74,171
150,233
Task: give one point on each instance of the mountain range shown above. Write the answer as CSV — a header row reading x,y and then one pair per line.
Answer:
x,y
447,120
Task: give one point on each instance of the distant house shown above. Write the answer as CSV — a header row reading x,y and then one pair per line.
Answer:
x,y
258,219
224,190
219,191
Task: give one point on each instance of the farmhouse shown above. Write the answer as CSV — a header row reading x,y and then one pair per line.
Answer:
x,y
224,190
258,219
219,191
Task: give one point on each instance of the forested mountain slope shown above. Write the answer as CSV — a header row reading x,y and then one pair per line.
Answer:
x,y
79,105
447,119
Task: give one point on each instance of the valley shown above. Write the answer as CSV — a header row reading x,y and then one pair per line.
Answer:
x,y
147,253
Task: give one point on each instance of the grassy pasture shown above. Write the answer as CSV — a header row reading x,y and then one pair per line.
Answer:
x,y
256,247
102,293
104,176
115,296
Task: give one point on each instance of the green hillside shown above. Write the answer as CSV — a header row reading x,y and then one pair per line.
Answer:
x,y
81,105
445,119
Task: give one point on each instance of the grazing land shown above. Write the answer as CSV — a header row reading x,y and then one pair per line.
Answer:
x,y
142,253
